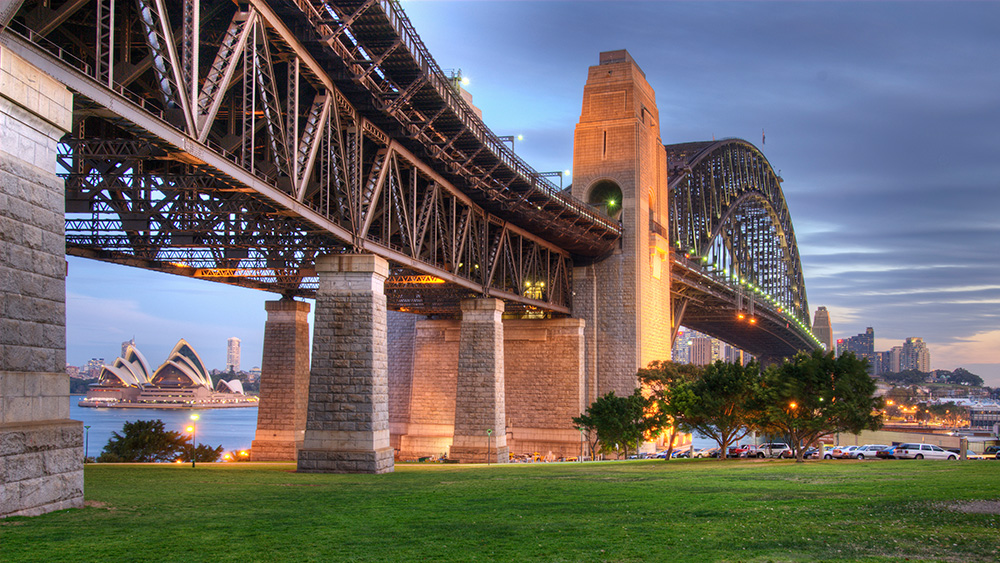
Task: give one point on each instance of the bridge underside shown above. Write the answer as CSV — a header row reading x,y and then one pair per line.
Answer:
x,y
711,307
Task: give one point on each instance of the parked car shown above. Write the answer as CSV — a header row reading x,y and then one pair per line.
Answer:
x,y
741,451
776,449
991,452
887,453
843,452
811,453
681,453
867,451
707,452
923,451
969,454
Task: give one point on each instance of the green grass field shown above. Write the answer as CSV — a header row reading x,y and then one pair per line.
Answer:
x,y
698,510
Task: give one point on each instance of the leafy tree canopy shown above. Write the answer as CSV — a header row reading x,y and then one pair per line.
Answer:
x,y
144,441
962,376
721,404
660,378
814,395
620,421
906,377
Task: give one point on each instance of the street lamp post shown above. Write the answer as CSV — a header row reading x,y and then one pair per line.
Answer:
x,y
489,432
86,442
193,429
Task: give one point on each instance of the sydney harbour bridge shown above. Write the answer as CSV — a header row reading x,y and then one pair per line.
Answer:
x,y
240,142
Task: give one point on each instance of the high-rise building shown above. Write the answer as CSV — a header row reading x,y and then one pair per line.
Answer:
x,y
895,359
915,355
701,351
823,329
125,346
233,354
93,367
863,346
681,352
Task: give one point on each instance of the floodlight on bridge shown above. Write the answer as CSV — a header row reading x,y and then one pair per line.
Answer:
x,y
510,139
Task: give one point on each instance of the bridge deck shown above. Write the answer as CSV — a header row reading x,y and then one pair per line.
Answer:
x,y
380,64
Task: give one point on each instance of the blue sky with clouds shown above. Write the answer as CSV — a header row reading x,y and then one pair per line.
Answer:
x,y
883,118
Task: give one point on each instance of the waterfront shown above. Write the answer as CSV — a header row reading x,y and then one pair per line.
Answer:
x,y
232,428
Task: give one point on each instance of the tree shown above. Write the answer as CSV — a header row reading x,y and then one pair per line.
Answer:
x,y
144,441
815,395
906,377
660,378
962,376
620,421
203,453
721,404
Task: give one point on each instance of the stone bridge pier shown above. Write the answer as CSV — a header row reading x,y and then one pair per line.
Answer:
x,y
284,382
41,449
347,419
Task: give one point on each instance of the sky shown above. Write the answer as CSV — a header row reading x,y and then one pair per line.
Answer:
x,y
882,118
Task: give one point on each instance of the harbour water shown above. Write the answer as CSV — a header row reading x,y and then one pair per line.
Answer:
x,y
232,428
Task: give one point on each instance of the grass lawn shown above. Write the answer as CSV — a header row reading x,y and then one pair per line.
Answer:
x,y
694,510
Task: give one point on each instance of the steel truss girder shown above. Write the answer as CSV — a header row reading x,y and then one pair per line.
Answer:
x,y
728,214
164,179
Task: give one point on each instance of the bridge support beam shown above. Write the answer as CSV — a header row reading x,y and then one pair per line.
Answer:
x,y
284,382
347,421
480,419
41,450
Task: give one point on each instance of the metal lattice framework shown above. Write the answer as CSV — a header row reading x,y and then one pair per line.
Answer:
x,y
237,141
737,273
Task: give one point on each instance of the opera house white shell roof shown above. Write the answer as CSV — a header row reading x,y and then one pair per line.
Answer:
x,y
183,369
130,371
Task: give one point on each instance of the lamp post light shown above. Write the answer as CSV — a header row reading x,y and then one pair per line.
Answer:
x,y
86,442
193,429
489,432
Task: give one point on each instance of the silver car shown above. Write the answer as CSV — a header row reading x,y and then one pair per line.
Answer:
x,y
867,451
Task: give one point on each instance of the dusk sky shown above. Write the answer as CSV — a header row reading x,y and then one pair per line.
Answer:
x,y
882,118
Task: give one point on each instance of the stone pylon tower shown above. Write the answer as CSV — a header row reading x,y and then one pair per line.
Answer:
x,y
823,329
620,166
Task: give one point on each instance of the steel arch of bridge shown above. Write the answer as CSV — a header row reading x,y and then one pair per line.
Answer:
x,y
736,270
236,141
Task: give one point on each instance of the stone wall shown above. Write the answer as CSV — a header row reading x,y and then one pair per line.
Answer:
x,y
41,450
544,386
402,330
431,402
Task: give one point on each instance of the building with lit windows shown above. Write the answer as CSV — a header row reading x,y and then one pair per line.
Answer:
x,y
701,351
233,354
862,345
180,382
915,355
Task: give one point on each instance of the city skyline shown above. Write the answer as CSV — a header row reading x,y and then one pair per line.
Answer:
x,y
875,114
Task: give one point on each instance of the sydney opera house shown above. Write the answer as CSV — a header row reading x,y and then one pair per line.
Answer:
x,y
181,382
